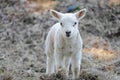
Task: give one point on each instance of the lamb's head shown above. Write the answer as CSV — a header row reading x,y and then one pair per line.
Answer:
x,y
68,21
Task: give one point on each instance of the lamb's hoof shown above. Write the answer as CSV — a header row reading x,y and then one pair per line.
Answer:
x,y
48,77
61,75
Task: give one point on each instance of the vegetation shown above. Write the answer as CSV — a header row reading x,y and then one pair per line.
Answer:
x,y
23,31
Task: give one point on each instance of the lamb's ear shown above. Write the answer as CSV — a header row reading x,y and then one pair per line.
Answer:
x,y
80,14
56,14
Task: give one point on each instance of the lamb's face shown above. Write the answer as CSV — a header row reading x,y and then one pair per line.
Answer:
x,y
69,25
68,21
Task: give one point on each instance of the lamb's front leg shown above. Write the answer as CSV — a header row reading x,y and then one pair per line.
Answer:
x,y
58,60
76,62
50,64
66,64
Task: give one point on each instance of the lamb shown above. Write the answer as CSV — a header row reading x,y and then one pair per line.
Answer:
x,y
63,45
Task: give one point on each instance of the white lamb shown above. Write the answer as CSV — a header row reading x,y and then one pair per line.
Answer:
x,y
64,44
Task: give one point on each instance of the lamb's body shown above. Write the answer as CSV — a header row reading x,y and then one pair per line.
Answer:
x,y
62,51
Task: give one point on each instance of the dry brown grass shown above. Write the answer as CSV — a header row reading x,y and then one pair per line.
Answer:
x,y
22,42
99,48
38,6
114,2
6,76
100,54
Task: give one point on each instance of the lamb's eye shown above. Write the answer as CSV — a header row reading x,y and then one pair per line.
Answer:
x,y
61,24
74,24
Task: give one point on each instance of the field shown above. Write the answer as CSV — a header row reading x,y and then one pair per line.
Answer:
x,y
24,25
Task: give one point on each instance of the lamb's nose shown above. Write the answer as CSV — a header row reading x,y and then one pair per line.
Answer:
x,y
68,33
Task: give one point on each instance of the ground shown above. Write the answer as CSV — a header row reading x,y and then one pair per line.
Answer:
x,y
23,33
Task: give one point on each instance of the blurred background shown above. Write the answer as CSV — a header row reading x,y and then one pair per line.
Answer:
x,y
24,25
